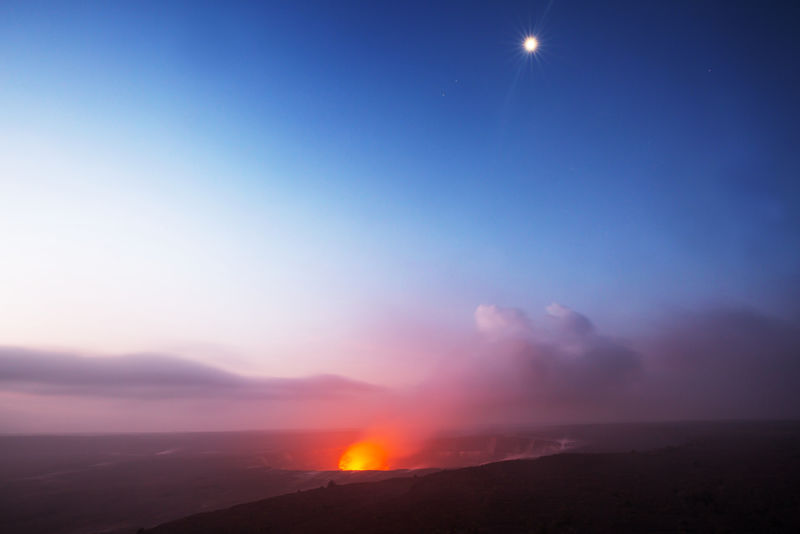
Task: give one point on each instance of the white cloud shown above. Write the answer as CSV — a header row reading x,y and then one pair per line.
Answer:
x,y
494,321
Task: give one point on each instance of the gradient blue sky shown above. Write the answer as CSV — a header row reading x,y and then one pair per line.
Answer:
x,y
255,184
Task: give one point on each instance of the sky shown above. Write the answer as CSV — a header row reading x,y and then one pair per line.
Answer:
x,y
274,212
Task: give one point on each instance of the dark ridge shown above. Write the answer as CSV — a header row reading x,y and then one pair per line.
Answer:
x,y
747,484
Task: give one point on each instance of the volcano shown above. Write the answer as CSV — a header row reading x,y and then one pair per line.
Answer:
x,y
736,483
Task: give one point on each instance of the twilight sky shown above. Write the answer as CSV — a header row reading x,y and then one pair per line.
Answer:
x,y
239,204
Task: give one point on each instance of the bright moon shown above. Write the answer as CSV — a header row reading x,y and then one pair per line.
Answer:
x,y
530,44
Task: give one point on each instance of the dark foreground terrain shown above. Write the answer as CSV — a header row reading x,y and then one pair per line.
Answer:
x,y
85,484
746,479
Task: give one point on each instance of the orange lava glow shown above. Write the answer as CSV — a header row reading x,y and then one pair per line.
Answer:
x,y
364,455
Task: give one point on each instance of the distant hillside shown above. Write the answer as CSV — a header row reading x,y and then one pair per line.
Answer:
x,y
748,484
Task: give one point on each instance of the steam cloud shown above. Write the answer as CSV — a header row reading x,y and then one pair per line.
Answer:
x,y
729,363
719,364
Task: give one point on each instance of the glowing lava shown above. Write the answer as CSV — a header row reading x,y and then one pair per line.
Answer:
x,y
364,455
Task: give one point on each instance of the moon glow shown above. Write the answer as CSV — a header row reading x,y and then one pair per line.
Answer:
x,y
530,44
